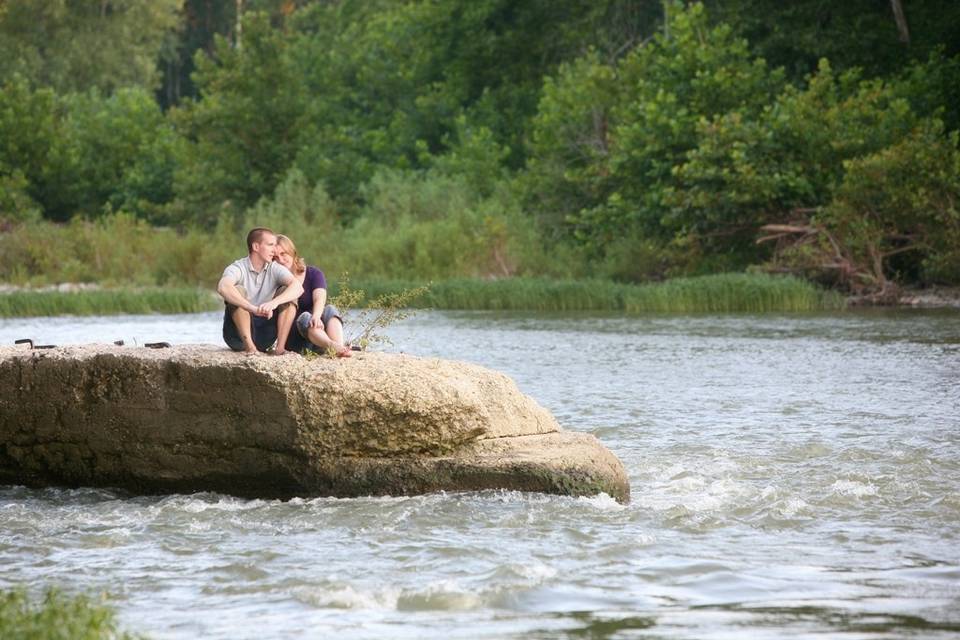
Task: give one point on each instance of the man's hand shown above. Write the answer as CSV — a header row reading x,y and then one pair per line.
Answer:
x,y
265,310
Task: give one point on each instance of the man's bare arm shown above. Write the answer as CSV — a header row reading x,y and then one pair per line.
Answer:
x,y
227,289
293,291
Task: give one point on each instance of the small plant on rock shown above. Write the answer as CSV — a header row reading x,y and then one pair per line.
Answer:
x,y
367,323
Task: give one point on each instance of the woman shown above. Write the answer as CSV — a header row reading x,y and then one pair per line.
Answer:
x,y
310,330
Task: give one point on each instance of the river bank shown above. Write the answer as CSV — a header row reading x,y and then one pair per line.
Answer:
x,y
721,293
931,298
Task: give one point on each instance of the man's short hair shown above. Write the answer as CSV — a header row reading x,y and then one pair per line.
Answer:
x,y
256,235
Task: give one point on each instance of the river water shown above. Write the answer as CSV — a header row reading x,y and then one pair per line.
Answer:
x,y
792,475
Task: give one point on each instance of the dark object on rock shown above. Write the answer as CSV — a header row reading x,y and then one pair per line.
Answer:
x,y
29,342
202,418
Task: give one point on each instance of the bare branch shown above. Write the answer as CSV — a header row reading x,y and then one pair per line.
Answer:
x,y
787,228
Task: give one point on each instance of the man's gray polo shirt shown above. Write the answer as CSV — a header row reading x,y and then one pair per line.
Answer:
x,y
260,286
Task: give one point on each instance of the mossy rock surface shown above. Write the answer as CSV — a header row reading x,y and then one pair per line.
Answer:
x,y
202,418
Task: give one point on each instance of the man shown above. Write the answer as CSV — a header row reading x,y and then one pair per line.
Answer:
x,y
259,295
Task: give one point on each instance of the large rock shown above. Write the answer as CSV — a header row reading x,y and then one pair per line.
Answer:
x,y
202,418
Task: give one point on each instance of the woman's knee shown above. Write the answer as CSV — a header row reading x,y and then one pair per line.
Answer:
x,y
331,314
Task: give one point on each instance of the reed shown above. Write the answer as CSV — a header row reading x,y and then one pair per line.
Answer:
x,y
528,294
723,293
730,293
56,616
27,303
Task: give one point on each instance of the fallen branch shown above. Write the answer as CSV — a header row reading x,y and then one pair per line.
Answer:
x,y
788,228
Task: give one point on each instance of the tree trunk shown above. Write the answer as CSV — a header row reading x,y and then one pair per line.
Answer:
x,y
901,19
239,33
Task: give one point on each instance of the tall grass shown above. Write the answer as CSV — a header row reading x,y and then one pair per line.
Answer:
x,y
723,293
730,292
116,250
102,302
56,617
529,294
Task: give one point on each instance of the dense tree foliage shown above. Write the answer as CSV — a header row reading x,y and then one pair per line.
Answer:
x,y
609,135
84,152
856,33
77,45
631,139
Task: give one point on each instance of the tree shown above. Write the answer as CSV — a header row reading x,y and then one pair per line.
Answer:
x,y
893,218
868,34
33,155
607,137
76,45
122,154
243,131
747,171
77,153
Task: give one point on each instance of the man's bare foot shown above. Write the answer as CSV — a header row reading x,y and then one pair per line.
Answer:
x,y
284,352
343,351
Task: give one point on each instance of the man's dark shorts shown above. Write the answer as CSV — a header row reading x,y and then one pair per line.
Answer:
x,y
262,330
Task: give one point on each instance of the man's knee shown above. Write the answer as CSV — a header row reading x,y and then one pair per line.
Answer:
x,y
239,316
286,306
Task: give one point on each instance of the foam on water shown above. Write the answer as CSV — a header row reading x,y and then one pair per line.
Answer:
x,y
346,596
603,502
853,488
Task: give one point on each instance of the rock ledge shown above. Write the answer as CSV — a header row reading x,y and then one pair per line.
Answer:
x,y
202,418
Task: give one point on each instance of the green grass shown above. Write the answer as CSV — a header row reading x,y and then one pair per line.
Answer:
x,y
723,293
26,303
56,617
731,292
526,294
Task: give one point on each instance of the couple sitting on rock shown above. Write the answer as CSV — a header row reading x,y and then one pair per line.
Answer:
x,y
271,296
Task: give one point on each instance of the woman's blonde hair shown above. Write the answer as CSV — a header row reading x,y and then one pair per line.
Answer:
x,y
299,266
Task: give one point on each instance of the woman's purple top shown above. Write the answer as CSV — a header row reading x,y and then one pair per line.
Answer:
x,y
314,279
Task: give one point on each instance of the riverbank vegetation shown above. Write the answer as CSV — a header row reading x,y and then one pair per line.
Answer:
x,y
755,293
546,154
56,616
102,302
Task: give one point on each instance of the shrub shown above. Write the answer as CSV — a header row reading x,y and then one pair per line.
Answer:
x,y
897,211
430,226
56,617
